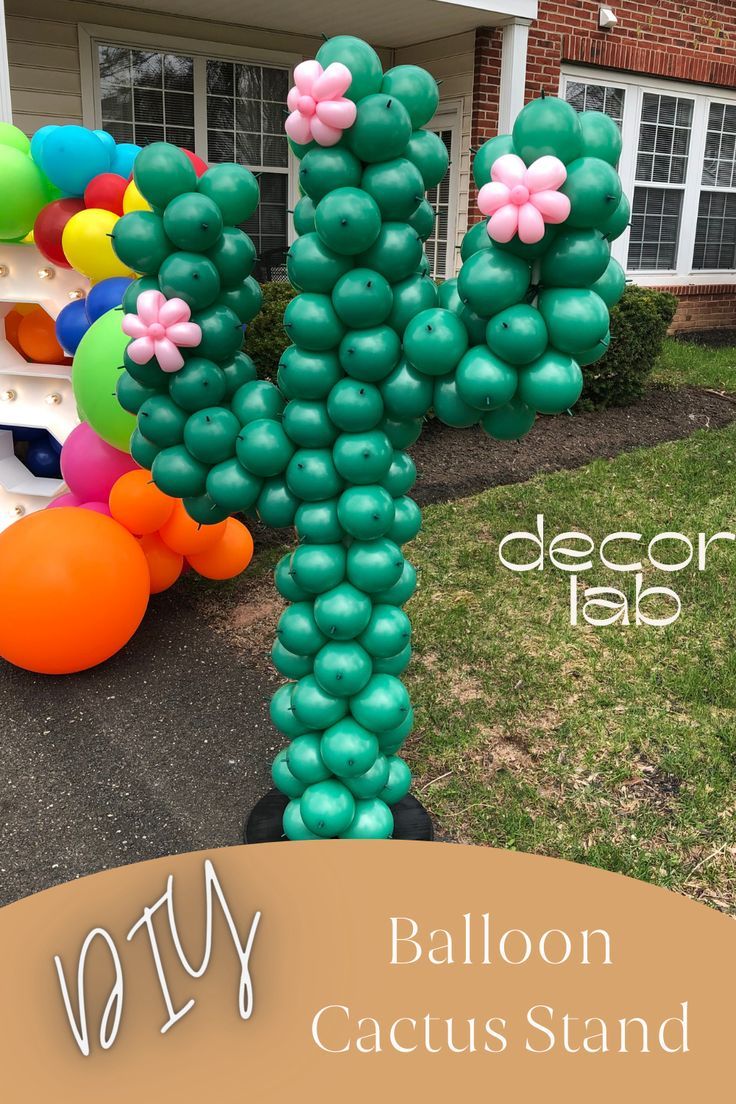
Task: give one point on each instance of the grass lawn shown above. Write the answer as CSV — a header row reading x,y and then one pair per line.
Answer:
x,y
612,746
684,364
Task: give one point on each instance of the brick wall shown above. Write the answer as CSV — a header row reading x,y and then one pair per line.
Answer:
x,y
704,307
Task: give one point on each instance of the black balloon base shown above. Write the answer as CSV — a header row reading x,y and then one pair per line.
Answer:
x,y
411,820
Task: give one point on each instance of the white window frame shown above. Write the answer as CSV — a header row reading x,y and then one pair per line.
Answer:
x,y
702,96
449,116
91,36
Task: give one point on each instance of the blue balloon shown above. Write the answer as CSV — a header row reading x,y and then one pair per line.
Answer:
x,y
125,155
107,140
106,295
43,460
72,324
55,445
71,156
37,142
25,433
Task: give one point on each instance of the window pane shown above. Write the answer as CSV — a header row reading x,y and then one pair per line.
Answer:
x,y
719,167
655,228
220,77
666,123
596,97
268,226
249,102
147,96
715,235
439,246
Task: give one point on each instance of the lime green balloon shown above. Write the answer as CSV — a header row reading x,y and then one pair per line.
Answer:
x,y
374,566
13,137
245,301
396,186
348,220
510,422
589,356
263,448
360,58
239,369
483,380
355,406
347,748
294,827
449,407
576,318
312,475
304,213
283,779
305,759
575,259
476,238
193,221
402,475
423,219
343,669
618,221
366,512
399,781
517,335
315,707
257,399
362,298
310,375
434,341
312,266
297,629
416,88
132,395
317,568
548,127
382,704
395,253
387,633
318,522
370,354
222,332
410,297
232,487
284,581
233,188
369,785
489,152
308,424
211,434
327,808
491,281
594,190
428,152
190,277
363,457
140,242
97,364
161,172
234,256
311,322
143,452
551,384
601,136
611,285
177,473
323,169
381,129
162,421
406,392
23,192
281,711
342,613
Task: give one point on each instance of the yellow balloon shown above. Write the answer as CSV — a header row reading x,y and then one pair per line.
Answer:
x,y
88,247
24,308
133,200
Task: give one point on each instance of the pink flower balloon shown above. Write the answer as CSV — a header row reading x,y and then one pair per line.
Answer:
x,y
521,200
159,328
319,110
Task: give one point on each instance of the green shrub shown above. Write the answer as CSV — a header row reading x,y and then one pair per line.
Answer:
x,y
639,323
265,337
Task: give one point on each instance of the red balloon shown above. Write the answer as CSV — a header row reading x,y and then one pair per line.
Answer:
x,y
49,226
106,191
200,166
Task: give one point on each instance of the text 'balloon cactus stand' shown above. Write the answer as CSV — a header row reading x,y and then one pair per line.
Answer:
x,y
375,347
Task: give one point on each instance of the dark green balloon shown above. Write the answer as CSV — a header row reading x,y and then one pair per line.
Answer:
x,y
347,748
434,341
190,277
402,432
257,399
297,630
318,523
211,434
204,510
611,285
490,281
177,473
311,266
601,136
529,252
363,457
372,820
509,422
381,129
263,447
396,186
143,452
415,294
407,521
416,88
285,582
232,487
304,758
233,188
476,239
423,220
323,169
312,475
343,669
308,375
131,394
447,295
391,740
551,384
244,301
161,172
360,58
317,568
362,298
395,253
348,220
575,259
327,808
589,356
402,475
282,777
619,220
342,613
238,370
374,566
304,216
160,420
354,406
594,190
281,711
398,593
393,665
366,512
407,393
311,322
308,424
388,632
369,785
428,152
234,257
399,781
517,335
489,152
371,354
483,380
133,290
193,222
548,127
222,332
140,242
576,318
449,407
382,704
474,324
314,706
294,826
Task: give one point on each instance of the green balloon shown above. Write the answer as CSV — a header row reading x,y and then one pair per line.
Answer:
x,y
618,221
233,188
402,475
238,370
447,296
263,448
342,669
133,290
162,421
149,375
276,505
161,172
388,632
312,475
283,779
297,630
311,322
222,332
355,406
314,706
305,758
423,219
509,422
490,281
347,748
371,354
193,222
611,285
348,220
375,566
323,169
362,298
601,136
369,785
576,318
407,521
489,152
529,252
318,523
517,335
402,433
548,127
363,457
190,277
575,259
311,266
177,473
304,213
399,781
415,294
396,186
132,395
476,239
244,301
474,324
395,253
232,487
327,808
281,711
449,407
257,399
211,434
382,704
391,740
393,665
310,375
317,568
434,341
308,424
23,192
551,384
294,826
95,373
342,613
428,152
416,88
360,58
594,190
285,582
589,356
234,257
381,129
366,512
407,393
398,593
143,452
140,242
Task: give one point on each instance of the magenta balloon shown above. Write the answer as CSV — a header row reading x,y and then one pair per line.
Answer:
x,y
67,499
98,507
90,466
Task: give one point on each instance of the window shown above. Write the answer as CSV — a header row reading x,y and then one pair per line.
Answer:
x,y
440,247
715,233
597,97
146,96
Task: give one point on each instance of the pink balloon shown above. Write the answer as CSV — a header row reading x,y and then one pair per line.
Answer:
x,y
545,174
325,135
67,499
98,507
305,74
492,196
299,128
509,169
553,206
334,82
337,113
531,224
90,466
504,224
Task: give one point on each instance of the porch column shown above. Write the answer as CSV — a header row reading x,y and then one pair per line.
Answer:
x,y
6,110
514,40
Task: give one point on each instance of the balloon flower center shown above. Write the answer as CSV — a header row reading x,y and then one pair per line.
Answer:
x,y
157,331
519,195
307,106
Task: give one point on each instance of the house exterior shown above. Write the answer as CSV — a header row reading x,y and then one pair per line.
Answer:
x,y
215,81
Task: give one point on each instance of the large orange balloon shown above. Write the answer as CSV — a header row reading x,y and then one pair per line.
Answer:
x,y
164,566
74,586
229,556
37,338
185,535
138,504
13,320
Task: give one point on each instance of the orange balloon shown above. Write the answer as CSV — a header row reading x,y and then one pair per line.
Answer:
x,y
138,504
164,566
37,337
12,321
185,535
25,308
229,556
74,586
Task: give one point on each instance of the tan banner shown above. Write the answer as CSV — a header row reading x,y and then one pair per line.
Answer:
x,y
362,971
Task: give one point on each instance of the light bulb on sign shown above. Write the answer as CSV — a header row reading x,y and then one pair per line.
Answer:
x,y
78,293
7,396
53,399
46,273
4,270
